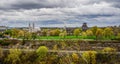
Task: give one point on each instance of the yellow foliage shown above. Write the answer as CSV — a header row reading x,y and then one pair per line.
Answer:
x,y
108,49
75,57
90,56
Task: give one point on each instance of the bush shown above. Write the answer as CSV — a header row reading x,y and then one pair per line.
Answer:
x,y
90,56
108,49
42,52
75,57
13,57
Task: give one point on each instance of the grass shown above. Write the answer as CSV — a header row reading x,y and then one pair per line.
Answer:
x,y
66,37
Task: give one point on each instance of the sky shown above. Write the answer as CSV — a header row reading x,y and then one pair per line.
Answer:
x,y
59,13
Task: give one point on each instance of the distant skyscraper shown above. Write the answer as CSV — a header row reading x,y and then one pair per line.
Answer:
x,y
84,27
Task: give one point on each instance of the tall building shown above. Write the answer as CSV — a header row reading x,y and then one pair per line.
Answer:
x,y
84,27
31,27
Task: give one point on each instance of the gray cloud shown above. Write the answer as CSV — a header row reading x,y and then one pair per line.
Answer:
x,y
59,12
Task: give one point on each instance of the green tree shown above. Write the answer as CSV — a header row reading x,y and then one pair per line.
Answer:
x,y
13,57
8,32
118,36
34,36
27,35
76,32
15,33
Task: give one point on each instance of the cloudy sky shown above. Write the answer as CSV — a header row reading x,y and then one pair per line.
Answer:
x,y
58,13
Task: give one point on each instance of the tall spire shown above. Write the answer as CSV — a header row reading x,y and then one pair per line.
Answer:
x,y
29,27
33,27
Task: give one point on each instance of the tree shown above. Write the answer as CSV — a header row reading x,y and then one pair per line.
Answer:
x,y
63,34
14,56
55,32
118,36
76,32
84,35
21,33
44,32
1,34
108,32
94,29
8,32
89,33
90,56
42,52
27,35
15,33
34,36
99,33
110,57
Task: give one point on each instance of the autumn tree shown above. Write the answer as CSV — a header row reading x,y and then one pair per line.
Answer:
x,y
13,57
63,34
109,49
89,32
94,29
55,32
109,54
99,33
84,35
108,32
75,57
44,32
21,33
90,56
76,32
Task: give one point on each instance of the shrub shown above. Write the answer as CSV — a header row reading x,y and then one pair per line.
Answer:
x,y
108,55
13,57
90,56
108,49
42,52
75,57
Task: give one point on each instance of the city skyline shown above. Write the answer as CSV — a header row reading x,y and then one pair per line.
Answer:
x,y
54,13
